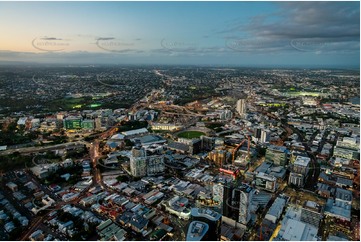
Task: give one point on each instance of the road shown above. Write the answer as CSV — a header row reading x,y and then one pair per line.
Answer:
x,y
94,156
43,148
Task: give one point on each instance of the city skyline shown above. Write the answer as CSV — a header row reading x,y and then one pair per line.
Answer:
x,y
255,34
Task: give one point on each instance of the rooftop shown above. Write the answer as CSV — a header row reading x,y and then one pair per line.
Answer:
x,y
302,161
278,148
343,194
296,230
135,132
196,231
278,205
206,213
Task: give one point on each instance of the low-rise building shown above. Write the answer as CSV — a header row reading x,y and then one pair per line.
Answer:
x,y
178,206
311,213
108,230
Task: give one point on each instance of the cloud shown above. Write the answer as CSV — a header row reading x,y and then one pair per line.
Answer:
x,y
326,24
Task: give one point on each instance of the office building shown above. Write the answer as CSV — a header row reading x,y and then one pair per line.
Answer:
x,y
178,206
237,202
88,124
277,154
301,165
299,171
72,123
266,182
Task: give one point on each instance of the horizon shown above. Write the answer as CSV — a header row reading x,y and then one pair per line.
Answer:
x,y
242,34
155,65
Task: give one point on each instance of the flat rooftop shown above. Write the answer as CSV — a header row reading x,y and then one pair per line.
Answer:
x,y
196,231
206,213
302,161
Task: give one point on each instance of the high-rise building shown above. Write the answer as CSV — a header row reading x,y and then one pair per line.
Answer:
x,y
211,218
237,202
257,132
245,194
218,193
198,231
138,162
208,143
241,107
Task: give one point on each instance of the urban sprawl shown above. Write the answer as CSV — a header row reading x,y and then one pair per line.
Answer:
x,y
179,153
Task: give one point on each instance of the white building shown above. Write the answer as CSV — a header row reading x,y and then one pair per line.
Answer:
x,y
241,107
296,179
167,127
265,136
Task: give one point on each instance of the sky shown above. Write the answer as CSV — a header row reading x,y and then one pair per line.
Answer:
x,y
274,34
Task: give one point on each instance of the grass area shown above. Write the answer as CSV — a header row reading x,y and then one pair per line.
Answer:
x,y
190,134
69,103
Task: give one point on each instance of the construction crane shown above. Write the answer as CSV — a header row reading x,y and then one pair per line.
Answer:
x,y
238,146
